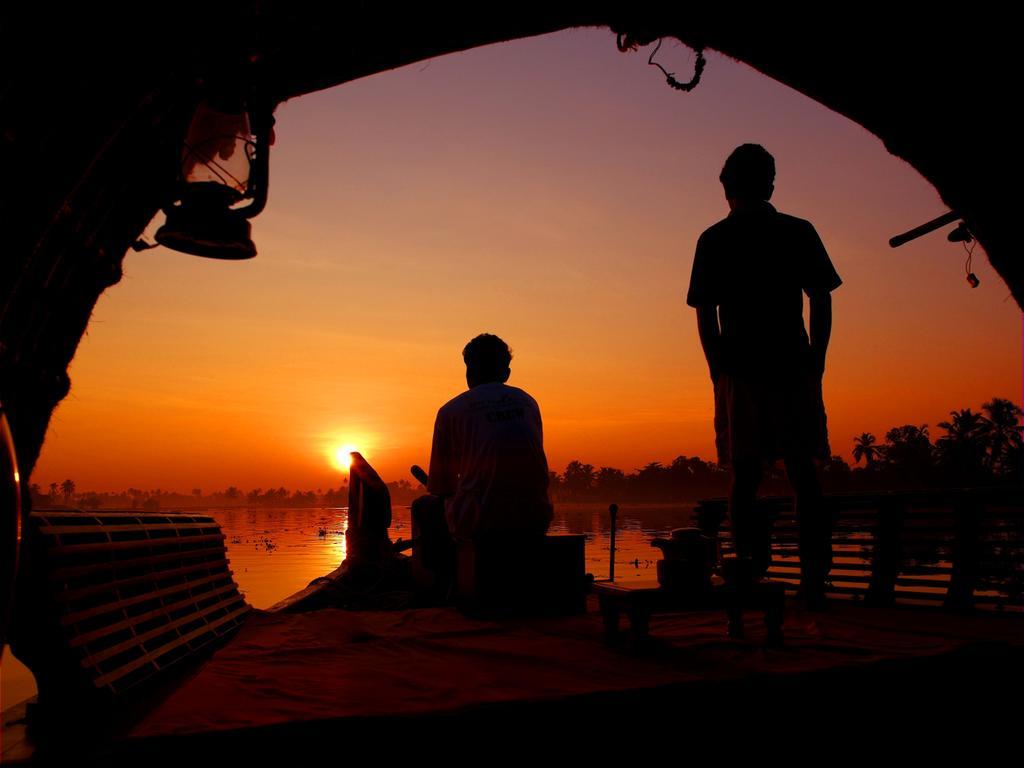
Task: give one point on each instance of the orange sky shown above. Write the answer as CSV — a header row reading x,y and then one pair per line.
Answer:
x,y
550,191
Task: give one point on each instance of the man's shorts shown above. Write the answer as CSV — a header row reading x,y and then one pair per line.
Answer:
x,y
770,417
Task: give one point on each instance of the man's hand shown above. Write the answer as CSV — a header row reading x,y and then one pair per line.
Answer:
x,y
715,372
818,361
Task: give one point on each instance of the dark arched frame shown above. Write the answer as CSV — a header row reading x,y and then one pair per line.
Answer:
x,y
94,109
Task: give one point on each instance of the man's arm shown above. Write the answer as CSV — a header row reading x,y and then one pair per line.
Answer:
x,y
704,295
821,327
710,337
818,279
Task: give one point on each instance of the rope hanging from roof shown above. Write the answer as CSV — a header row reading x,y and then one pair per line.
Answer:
x,y
625,42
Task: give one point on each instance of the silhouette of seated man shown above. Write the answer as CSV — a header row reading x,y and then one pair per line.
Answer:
x,y
488,478
749,275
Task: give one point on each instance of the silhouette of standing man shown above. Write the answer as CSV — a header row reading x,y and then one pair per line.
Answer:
x,y
749,275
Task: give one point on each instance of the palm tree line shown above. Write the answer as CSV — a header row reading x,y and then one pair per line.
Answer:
x,y
978,448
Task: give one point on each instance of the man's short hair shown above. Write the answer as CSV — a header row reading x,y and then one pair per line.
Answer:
x,y
748,173
487,354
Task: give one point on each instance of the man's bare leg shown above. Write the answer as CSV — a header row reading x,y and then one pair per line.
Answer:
x,y
751,534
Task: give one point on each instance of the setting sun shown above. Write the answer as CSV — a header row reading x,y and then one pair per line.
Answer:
x,y
343,456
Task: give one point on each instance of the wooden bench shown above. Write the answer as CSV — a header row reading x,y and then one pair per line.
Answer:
x,y
109,602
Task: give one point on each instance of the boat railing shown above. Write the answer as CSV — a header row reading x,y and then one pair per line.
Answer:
x,y
958,549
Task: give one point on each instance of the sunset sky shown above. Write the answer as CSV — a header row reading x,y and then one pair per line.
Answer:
x,y
551,191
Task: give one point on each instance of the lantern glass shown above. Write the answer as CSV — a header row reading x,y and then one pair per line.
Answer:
x,y
218,149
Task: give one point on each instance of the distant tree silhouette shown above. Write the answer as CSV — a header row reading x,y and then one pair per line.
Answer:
x,y
609,483
652,481
578,479
976,449
335,498
691,477
864,447
554,485
908,455
90,500
961,452
686,478
1005,442
402,491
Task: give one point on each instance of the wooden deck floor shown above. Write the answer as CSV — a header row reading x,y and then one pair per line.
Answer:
x,y
288,681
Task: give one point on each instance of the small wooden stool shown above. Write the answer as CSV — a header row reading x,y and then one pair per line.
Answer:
x,y
640,600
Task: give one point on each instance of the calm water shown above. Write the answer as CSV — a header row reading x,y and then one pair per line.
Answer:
x,y
276,552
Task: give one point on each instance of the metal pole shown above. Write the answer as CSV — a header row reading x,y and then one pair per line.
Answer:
x,y
924,229
613,511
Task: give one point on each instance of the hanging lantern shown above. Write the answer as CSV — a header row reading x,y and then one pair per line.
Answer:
x,y
223,183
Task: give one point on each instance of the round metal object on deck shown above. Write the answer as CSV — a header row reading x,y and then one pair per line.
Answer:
x,y
10,523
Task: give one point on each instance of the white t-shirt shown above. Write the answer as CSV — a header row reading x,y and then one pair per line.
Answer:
x,y
488,461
